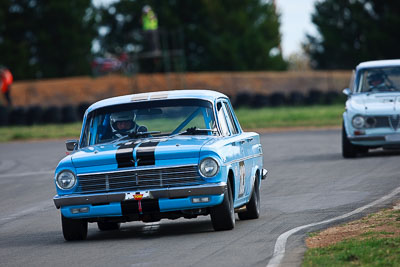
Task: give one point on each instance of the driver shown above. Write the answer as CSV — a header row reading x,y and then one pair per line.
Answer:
x,y
376,80
124,123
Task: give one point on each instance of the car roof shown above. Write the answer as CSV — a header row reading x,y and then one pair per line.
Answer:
x,y
160,95
379,64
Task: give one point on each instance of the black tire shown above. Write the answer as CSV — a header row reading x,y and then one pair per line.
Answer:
x,y
74,229
108,226
223,215
348,149
253,206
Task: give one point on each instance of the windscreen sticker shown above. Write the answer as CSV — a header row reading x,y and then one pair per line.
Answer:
x,y
124,155
145,153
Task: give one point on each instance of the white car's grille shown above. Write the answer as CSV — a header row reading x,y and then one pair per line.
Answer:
x,y
382,122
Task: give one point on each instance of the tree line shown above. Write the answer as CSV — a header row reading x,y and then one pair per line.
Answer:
x,y
55,38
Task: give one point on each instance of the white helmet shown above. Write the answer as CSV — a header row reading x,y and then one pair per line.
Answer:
x,y
125,116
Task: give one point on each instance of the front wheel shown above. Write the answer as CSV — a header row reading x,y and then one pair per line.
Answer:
x,y
348,149
223,215
253,206
74,229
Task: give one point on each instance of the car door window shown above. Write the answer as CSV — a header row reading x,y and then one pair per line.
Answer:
x,y
231,121
222,120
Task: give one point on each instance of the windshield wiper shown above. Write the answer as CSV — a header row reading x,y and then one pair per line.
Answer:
x,y
118,139
194,130
135,135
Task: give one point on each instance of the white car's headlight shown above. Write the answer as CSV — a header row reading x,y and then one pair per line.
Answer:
x,y
209,167
358,121
66,180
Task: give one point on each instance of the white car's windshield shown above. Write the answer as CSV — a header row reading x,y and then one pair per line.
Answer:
x,y
377,80
149,119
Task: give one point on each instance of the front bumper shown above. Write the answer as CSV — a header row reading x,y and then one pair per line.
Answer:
x,y
388,139
166,193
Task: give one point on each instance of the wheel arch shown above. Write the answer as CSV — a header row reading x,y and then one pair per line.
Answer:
x,y
231,179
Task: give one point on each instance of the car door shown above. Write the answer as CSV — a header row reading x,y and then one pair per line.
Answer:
x,y
241,166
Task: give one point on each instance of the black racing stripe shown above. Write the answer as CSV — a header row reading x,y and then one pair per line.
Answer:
x,y
145,153
124,155
130,207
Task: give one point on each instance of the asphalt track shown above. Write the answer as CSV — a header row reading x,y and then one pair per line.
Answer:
x,y
309,182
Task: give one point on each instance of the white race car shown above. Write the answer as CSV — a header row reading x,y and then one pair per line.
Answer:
x,y
372,116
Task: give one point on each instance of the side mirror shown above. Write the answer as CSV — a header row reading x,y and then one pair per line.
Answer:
x,y
346,91
71,144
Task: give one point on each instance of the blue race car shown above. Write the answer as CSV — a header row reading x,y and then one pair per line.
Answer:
x,y
161,155
372,116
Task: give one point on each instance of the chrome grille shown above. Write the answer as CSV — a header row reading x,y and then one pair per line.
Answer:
x,y
141,179
382,122
378,122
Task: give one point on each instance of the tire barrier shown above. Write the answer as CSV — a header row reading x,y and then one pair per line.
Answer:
x,y
17,116
4,112
334,97
277,99
243,99
260,100
52,115
68,114
296,98
315,97
34,115
82,107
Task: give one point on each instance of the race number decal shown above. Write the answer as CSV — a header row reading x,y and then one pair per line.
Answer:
x,y
242,174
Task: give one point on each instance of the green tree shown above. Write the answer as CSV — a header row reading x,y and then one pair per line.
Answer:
x,y
352,31
46,38
218,35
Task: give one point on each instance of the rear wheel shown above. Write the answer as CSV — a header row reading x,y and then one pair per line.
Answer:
x,y
223,215
108,226
74,229
253,206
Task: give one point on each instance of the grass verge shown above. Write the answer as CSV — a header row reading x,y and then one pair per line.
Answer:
x,y
309,116
264,118
371,241
51,131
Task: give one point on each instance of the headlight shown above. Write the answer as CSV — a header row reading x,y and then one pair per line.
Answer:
x,y
209,167
66,180
358,122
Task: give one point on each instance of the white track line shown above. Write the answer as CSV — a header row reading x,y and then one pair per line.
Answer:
x,y
279,251
25,174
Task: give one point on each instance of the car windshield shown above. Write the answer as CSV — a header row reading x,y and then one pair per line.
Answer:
x,y
149,119
377,80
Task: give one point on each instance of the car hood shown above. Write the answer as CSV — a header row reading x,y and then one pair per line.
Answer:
x,y
381,103
140,152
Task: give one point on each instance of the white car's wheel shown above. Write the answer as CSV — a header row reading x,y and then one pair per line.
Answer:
x,y
348,149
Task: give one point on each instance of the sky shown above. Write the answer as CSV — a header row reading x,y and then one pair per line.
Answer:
x,y
295,22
